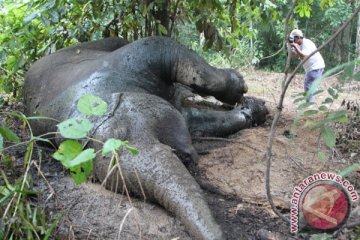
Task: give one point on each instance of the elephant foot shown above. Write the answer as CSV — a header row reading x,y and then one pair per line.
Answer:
x,y
254,109
204,122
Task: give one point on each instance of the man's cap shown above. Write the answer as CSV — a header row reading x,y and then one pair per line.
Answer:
x,y
296,33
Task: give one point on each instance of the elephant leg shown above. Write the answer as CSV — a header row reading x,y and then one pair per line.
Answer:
x,y
155,128
204,122
158,173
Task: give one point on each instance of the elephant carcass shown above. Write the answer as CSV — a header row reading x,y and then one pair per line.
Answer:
x,y
139,82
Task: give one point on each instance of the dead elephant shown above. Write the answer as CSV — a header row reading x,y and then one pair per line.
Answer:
x,y
147,84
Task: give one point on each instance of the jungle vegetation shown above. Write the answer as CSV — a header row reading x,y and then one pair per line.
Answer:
x,y
226,32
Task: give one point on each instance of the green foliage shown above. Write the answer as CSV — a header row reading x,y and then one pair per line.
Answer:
x,y
241,55
9,135
75,128
326,118
244,31
328,135
27,221
24,38
31,29
304,7
21,219
71,153
310,16
112,145
333,15
78,161
92,105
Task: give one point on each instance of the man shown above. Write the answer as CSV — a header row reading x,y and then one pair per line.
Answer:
x,y
314,66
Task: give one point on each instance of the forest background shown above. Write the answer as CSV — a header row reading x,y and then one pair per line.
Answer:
x,y
226,32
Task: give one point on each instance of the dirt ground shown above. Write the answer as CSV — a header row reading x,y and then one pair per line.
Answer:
x,y
231,172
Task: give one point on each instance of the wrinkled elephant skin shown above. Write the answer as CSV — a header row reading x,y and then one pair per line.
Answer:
x,y
138,81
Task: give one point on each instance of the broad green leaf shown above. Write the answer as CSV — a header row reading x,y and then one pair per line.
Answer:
x,y
323,108
111,145
322,4
84,156
68,150
92,105
80,173
322,157
305,105
333,92
75,128
310,112
299,99
72,157
30,17
48,5
54,15
115,144
329,136
46,22
328,100
8,134
338,116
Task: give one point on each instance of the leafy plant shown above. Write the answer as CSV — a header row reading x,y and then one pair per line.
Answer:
x,y
326,116
71,153
22,219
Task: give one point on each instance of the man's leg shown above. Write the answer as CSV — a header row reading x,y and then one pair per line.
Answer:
x,y
310,77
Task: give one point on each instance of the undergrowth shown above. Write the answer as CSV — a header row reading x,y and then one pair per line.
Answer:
x,y
21,218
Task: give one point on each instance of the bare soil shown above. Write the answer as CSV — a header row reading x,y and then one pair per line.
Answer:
x,y
231,172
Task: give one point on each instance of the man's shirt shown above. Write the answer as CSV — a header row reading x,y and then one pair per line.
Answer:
x,y
316,61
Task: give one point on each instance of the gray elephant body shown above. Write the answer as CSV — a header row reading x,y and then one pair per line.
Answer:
x,y
137,81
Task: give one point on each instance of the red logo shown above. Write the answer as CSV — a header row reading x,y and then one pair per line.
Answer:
x,y
326,206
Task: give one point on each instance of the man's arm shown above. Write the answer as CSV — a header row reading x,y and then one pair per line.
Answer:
x,y
297,51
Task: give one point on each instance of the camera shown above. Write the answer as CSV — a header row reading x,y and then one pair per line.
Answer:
x,y
291,39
